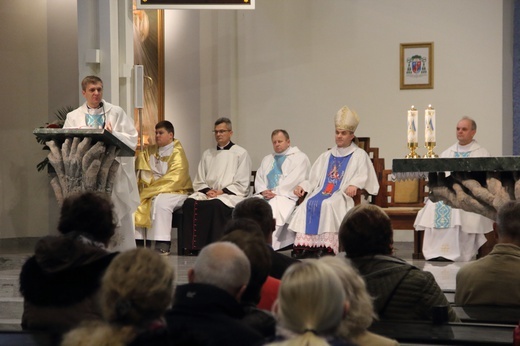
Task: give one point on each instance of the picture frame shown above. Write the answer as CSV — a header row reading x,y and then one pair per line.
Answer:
x,y
416,66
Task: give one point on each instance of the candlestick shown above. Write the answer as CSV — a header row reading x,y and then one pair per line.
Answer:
x,y
413,116
429,131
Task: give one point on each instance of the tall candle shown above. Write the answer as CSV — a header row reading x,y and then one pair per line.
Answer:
x,y
413,115
429,124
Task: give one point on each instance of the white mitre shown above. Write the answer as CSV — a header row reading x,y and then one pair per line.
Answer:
x,y
346,119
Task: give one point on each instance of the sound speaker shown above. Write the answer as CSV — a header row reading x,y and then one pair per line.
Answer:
x,y
139,87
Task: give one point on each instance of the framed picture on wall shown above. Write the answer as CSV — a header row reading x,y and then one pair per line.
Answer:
x,y
416,65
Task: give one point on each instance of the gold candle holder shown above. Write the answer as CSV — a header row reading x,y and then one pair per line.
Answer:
x,y
429,147
412,154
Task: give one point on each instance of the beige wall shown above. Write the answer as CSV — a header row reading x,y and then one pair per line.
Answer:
x,y
289,64
294,63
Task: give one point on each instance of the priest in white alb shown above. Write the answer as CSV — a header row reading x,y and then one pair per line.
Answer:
x,y
278,175
454,234
223,179
334,180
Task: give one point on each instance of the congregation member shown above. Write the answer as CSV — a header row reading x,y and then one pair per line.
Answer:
x,y
310,306
222,180
494,279
454,234
361,313
98,113
401,290
61,281
334,180
278,175
136,290
260,211
246,234
207,310
164,184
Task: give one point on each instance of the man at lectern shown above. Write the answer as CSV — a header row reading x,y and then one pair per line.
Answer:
x,y
98,113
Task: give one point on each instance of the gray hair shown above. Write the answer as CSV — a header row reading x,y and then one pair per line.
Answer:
x,y
224,265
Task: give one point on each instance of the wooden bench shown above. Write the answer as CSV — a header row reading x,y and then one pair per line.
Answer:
x,y
427,333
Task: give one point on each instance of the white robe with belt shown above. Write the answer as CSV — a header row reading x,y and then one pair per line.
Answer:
x,y
360,173
219,169
125,195
465,234
295,169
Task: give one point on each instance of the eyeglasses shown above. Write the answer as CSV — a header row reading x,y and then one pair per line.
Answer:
x,y
220,131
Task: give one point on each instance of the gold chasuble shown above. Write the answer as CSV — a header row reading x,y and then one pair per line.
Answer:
x,y
175,180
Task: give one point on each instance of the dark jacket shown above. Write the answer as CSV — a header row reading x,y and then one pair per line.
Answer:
x,y
279,263
260,320
61,281
401,291
207,315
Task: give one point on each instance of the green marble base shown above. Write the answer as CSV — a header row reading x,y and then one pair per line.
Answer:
x,y
470,164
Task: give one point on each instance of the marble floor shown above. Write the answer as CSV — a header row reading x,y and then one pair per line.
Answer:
x,y
14,254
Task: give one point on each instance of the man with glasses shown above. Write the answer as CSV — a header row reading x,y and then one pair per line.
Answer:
x,y
222,180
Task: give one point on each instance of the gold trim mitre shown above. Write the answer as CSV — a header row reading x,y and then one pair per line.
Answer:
x,y
346,119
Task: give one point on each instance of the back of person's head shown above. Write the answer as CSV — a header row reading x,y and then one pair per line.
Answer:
x,y
224,265
165,124
246,234
508,222
366,231
137,287
89,214
361,312
311,303
258,210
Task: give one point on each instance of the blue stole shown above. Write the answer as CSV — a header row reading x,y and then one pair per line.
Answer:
x,y
273,177
442,217
96,121
335,172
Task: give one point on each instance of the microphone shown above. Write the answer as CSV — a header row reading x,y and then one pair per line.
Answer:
x,y
101,105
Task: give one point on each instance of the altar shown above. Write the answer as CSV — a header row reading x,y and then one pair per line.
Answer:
x,y
476,184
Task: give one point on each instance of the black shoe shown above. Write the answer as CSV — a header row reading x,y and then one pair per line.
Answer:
x,y
162,247
325,251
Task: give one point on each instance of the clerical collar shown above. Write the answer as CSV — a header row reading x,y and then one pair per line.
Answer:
x,y
165,148
226,147
463,148
98,107
283,152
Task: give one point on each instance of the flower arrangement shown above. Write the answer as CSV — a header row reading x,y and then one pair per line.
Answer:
x,y
61,115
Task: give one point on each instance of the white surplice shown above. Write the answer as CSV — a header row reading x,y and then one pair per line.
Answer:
x,y
125,195
461,240
219,169
360,173
294,170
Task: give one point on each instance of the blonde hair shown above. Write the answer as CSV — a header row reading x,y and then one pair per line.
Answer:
x,y
361,312
137,287
311,303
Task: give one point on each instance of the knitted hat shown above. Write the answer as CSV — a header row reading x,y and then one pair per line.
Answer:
x,y
346,119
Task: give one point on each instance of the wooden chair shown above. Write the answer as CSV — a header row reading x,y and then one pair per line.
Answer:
x,y
379,166
401,201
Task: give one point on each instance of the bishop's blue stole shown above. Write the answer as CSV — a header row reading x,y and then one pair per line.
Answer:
x,y
335,172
